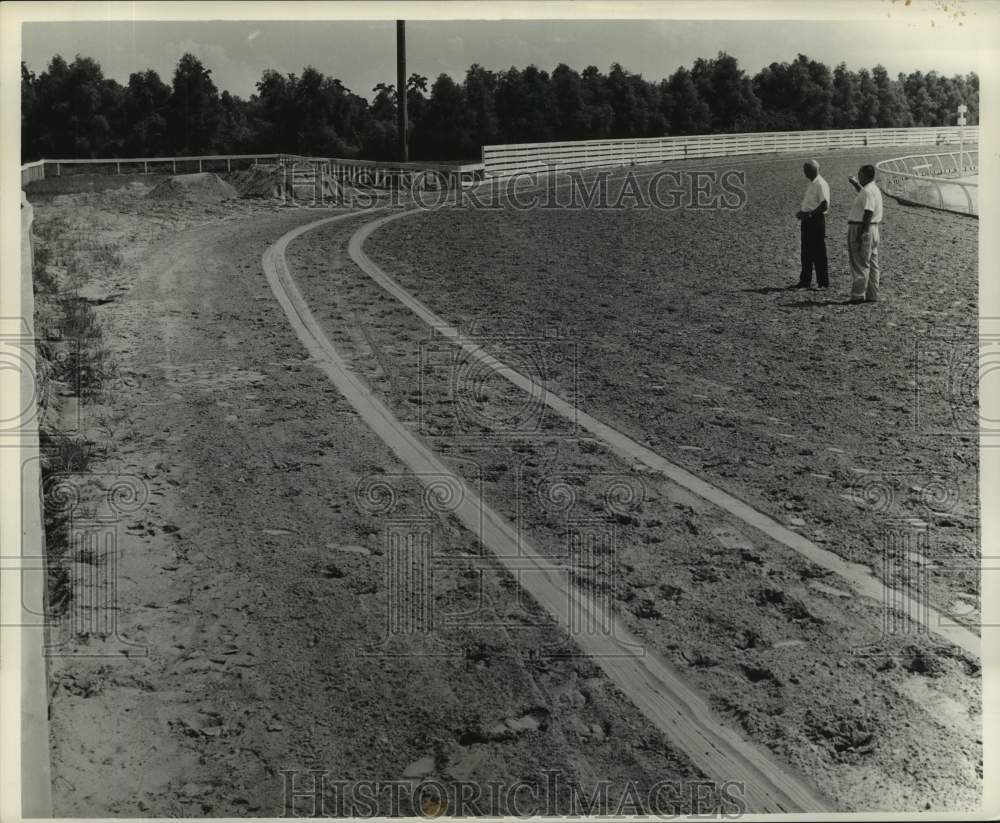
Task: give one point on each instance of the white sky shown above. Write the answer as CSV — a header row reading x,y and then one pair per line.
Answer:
x,y
362,54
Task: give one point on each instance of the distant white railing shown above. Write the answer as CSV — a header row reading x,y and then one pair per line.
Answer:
x,y
41,169
507,160
940,180
375,173
390,174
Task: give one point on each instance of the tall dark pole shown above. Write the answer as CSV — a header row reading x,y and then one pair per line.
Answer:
x,y
404,153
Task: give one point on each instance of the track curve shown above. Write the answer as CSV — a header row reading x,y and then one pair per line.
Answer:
x,y
650,682
857,575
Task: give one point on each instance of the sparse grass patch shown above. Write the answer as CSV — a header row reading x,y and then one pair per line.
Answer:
x,y
70,350
65,454
42,278
63,457
79,321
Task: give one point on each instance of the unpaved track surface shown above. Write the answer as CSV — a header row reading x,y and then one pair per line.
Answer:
x,y
259,568
854,421
253,578
651,684
821,685
859,577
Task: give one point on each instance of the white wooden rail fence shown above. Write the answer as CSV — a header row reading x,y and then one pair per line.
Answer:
x,y
381,174
940,180
528,158
41,169
507,160
373,173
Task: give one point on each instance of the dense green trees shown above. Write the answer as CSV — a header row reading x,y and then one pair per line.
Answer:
x,y
146,105
800,95
444,129
311,114
845,98
72,110
687,113
194,109
727,90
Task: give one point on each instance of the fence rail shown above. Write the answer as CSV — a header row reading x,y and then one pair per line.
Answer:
x,y
372,172
415,166
939,180
521,158
378,174
41,169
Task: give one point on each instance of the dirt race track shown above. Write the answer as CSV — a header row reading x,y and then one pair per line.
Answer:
x,y
265,626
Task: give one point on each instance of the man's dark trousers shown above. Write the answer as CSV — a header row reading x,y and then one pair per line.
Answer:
x,y
814,251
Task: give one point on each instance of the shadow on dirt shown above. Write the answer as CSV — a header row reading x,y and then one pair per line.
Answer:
x,y
802,304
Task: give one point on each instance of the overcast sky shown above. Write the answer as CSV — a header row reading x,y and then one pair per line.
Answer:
x,y
362,54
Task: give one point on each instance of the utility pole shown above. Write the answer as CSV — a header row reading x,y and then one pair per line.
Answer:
x,y
404,153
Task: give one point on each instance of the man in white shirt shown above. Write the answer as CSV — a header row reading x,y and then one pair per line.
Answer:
x,y
863,221
812,217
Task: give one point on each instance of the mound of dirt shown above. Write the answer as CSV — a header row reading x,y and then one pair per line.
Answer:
x,y
194,188
258,181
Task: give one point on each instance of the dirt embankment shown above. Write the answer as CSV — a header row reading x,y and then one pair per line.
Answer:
x,y
259,181
194,188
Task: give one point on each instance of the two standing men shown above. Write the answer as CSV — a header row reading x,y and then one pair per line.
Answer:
x,y
863,222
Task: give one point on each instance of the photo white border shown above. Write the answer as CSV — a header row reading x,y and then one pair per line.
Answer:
x,y
919,14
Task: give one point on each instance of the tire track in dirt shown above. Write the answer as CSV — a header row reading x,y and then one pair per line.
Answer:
x,y
857,575
654,686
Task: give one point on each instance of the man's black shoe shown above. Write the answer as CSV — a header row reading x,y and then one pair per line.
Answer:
x,y
798,286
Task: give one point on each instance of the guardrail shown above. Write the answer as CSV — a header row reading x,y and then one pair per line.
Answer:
x,y
521,158
32,171
36,797
938,181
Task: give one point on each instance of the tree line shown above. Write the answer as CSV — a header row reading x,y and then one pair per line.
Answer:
x,y
71,110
